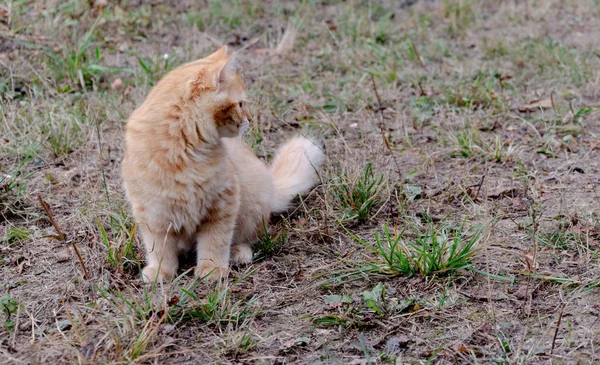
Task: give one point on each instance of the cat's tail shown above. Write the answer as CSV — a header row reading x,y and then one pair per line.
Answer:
x,y
294,171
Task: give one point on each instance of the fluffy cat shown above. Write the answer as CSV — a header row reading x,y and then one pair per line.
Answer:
x,y
190,179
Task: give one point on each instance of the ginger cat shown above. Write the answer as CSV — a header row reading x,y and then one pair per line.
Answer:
x,y
190,179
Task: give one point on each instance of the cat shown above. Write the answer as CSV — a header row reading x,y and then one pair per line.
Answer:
x,y
191,180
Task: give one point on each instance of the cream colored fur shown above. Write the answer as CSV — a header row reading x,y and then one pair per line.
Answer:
x,y
191,184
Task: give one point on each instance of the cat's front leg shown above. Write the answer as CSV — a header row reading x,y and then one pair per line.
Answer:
x,y
214,238
214,249
161,254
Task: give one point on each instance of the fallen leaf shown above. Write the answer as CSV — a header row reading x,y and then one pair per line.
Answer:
x,y
505,192
394,344
288,41
337,299
289,344
527,260
331,24
536,105
412,192
467,350
302,341
174,300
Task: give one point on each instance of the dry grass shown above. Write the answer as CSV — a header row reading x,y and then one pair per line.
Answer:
x,y
437,116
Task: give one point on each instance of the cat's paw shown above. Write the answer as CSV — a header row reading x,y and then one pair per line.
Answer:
x,y
211,272
151,274
241,254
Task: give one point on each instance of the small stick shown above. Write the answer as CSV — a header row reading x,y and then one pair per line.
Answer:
x,y
529,296
418,56
381,124
562,307
60,235
478,186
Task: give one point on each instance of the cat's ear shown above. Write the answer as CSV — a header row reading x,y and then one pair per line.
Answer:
x,y
220,53
215,75
224,70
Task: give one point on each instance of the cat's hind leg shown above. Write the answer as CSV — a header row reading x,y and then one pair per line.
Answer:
x,y
241,253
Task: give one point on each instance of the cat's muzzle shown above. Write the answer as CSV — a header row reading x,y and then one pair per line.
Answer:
x,y
244,128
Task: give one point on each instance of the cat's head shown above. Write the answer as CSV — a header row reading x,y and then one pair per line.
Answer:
x,y
211,88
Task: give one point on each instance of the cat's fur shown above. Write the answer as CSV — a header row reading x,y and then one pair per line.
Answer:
x,y
193,183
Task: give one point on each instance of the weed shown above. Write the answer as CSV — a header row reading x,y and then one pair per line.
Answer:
x,y
437,251
64,133
494,49
379,302
138,316
478,94
79,67
357,196
241,343
504,151
268,245
12,188
120,246
553,59
16,234
218,307
468,143
119,254
460,15
9,306
155,68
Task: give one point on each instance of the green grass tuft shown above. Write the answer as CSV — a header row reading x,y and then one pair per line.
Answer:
x,y
357,196
439,250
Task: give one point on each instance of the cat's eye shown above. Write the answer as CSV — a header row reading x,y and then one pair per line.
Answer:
x,y
241,104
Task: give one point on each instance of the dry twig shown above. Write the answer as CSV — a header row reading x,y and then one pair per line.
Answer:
x,y
60,235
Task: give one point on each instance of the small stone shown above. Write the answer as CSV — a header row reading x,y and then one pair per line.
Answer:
x,y
117,84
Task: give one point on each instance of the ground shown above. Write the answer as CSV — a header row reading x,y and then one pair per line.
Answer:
x,y
467,130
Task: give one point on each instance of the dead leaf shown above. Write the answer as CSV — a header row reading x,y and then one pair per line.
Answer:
x,y
293,342
169,341
331,24
174,300
527,260
288,41
536,105
467,350
128,90
505,192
